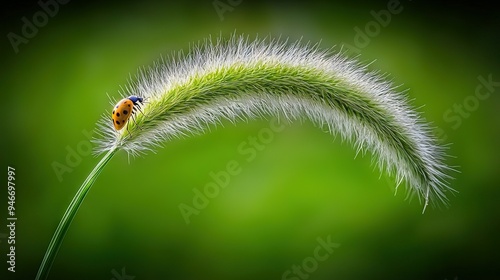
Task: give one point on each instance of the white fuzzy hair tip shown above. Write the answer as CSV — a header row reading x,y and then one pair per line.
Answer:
x,y
241,78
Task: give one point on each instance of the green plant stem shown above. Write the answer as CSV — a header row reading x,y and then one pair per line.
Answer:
x,y
62,228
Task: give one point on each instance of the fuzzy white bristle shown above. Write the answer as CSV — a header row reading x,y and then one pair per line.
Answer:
x,y
239,79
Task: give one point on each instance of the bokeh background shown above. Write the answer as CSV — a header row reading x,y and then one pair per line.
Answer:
x,y
302,184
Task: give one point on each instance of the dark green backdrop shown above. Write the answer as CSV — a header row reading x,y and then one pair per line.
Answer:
x,y
295,185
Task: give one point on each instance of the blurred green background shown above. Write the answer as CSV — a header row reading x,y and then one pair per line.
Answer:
x,y
301,185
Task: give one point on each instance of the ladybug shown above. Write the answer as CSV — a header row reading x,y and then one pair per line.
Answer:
x,y
124,109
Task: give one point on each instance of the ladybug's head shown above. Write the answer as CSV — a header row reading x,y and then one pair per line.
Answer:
x,y
135,99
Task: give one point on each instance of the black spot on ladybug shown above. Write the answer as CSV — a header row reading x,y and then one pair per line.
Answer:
x,y
117,114
118,122
113,112
125,112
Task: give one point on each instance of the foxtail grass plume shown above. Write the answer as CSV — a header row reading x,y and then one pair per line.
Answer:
x,y
241,79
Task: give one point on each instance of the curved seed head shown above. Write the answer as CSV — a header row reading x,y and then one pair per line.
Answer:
x,y
239,78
